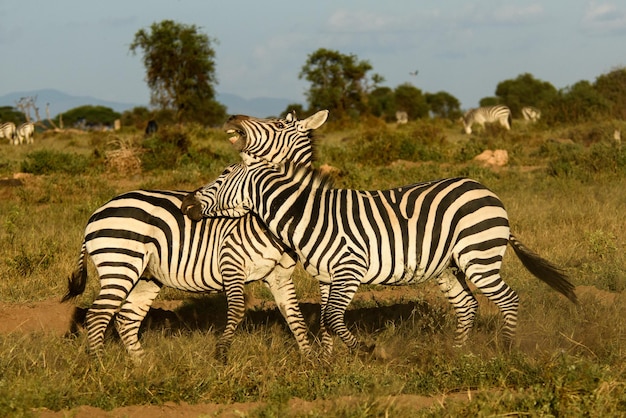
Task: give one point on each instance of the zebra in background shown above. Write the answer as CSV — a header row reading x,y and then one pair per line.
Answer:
x,y
488,114
141,241
402,117
25,133
7,130
405,235
531,114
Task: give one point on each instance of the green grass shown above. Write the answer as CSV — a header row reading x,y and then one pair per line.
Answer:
x,y
568,360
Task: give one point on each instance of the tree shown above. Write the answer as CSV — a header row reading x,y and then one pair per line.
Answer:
x,y
382,103
338,82
525,90
612,86
444,105
180,71
410,99
576,104
90,116
9,114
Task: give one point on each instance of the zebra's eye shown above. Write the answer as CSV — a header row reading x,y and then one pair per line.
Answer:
x,y
280,125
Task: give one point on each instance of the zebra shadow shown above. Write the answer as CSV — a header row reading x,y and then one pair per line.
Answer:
x,y
208,314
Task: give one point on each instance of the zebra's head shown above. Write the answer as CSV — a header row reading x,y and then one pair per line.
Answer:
x,y
275,140
223,197
467,120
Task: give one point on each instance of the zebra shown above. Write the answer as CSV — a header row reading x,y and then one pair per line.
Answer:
x,y
452,230
488,114
140,241
25,133
531,114
401,117
7,130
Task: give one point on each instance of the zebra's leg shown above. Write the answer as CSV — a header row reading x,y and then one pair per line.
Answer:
x,y
133,311
117,278
281,285
327,339
236,310
460,296
487,279
341,293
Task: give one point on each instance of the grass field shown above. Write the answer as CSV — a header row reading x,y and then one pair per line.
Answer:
x,y
564,189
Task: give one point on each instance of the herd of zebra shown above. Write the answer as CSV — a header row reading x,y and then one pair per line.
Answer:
x,y
497,113
24,133
272,210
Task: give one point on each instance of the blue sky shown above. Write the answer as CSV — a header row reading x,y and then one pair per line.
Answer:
x,y
462,47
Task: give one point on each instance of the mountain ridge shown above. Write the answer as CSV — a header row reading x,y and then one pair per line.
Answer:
x,y
60,102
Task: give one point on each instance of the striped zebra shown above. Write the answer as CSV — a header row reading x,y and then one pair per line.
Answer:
x,y
25,133
488,114
405,235
531,114
140,241
7,130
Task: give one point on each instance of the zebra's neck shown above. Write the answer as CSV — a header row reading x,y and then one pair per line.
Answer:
x,y
284,197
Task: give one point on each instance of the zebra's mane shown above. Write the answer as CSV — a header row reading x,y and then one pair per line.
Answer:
x,y
319,179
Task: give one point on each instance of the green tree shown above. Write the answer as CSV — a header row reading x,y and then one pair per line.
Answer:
x,y
338,82
576,104
411,99
180,71
382,103
10,114
612,86
444,105
525,90
88,116
488,101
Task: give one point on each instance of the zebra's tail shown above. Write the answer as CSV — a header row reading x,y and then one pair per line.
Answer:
x,y
77,281
544,270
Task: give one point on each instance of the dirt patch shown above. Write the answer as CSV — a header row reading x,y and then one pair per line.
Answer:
x,y
406,403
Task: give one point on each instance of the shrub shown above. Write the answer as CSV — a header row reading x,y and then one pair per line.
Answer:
x,y
164,149
50,161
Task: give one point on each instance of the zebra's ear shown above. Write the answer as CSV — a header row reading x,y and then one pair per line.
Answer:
x,y
314,121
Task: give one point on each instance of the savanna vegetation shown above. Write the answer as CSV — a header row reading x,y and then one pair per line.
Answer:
x,y
564,188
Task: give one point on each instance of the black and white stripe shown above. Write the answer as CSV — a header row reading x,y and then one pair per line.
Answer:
x,y
7,130
531,114
25,133
140,241
275,140
487,114
404,235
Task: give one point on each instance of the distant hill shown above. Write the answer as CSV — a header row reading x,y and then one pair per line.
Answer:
x,y
61,102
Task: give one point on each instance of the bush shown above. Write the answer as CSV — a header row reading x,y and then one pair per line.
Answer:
x,y
419,141
49,161
165,149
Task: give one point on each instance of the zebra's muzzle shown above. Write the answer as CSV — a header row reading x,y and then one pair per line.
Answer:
x,y
238,137
191,207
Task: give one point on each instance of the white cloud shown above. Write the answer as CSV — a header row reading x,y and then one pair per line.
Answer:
x,y
604,18
360,21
